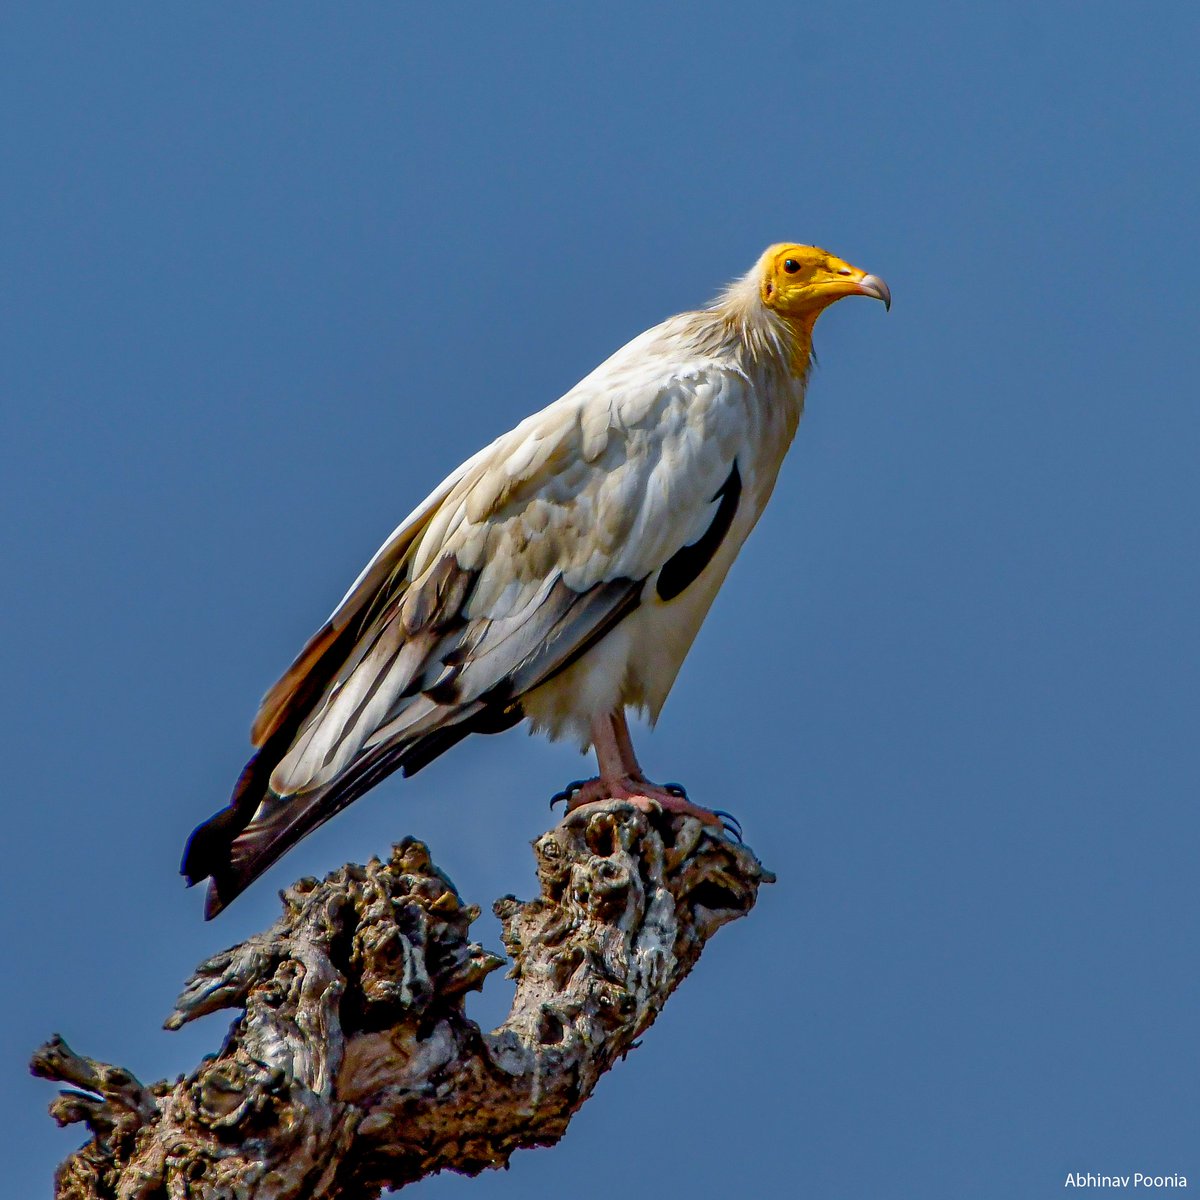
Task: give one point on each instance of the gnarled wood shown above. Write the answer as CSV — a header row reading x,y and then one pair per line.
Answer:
x,y
354,1067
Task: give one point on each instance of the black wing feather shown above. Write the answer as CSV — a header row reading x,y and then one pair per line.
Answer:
x,y
685,566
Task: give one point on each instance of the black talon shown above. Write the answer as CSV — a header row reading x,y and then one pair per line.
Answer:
x,y
676,789
729,823
564,797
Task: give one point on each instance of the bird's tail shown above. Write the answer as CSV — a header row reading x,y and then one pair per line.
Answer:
x,y
234,847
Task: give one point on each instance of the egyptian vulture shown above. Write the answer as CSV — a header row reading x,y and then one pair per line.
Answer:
x,y
559,576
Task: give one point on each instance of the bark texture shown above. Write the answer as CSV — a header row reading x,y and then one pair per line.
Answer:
x,y
354,1068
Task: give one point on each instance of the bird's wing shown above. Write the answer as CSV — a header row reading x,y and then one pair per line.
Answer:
x,y
376,580
513,568
524,557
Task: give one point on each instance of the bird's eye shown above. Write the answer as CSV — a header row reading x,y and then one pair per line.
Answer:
x,y
791,266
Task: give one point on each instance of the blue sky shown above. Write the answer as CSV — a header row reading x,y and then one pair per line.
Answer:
x,y
269,272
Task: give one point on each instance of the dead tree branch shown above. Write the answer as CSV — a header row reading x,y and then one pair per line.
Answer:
x,y
354,1067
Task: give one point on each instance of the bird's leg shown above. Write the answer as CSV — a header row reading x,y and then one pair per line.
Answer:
x,y
622,778
631,768
614,749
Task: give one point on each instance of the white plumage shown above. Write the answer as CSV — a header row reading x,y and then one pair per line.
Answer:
x,y
560,574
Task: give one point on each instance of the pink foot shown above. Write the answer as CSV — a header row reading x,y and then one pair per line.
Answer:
x,y
645,795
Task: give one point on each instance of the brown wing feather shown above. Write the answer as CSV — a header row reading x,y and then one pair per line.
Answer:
x,y
382,580
273,710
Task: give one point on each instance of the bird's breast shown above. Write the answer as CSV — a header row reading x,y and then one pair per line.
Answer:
x,y
636,664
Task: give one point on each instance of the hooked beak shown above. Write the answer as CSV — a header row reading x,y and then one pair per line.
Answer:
x,y
873,286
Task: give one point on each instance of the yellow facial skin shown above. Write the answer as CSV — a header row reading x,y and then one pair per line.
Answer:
x,y
799,282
